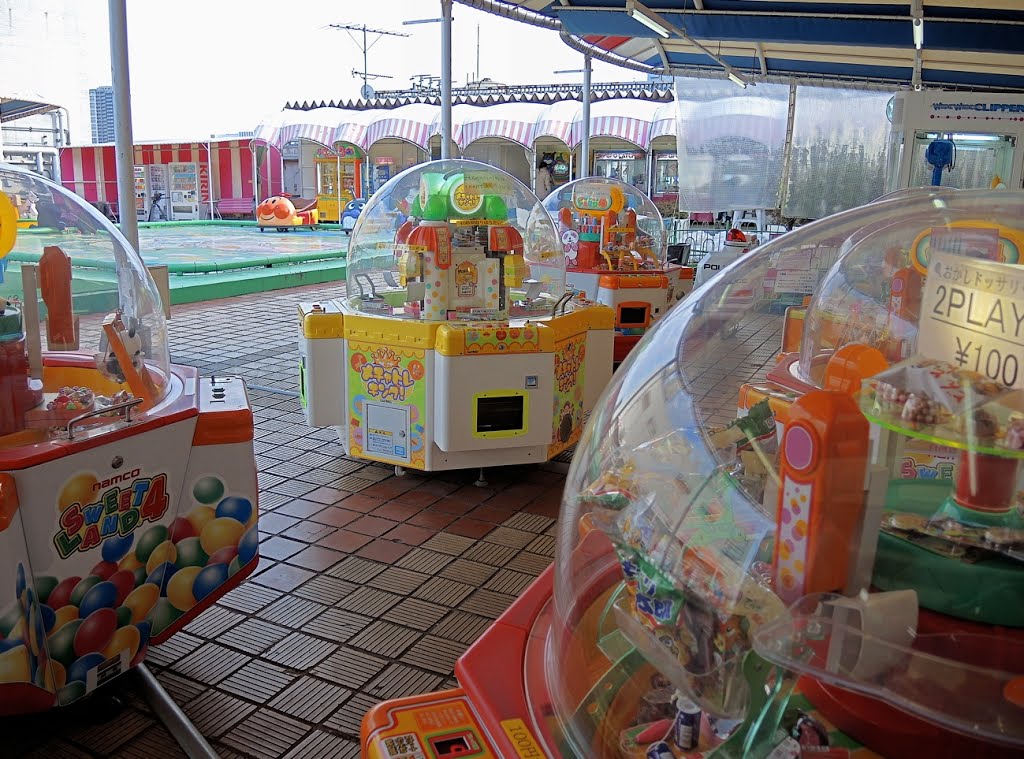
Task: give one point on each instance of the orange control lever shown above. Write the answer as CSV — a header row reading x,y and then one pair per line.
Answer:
x,y
823,462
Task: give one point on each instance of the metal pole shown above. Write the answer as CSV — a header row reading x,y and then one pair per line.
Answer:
x,y
446,79
584,167
209,171
256,171
173,718
123,145
366,68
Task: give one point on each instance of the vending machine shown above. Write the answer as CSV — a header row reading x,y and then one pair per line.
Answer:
x,y
159,201
141,194
184,185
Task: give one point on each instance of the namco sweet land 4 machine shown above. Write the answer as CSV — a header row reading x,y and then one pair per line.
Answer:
x,y
128,497
614,242
457,344
752,589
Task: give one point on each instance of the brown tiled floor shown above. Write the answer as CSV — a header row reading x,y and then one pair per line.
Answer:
x,y
369,586
361,593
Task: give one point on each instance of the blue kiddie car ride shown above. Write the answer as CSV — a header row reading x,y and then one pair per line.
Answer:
x,y
351,214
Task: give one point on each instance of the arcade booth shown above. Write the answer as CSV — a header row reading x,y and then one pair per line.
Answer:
x,y
966,140
338,179
776,585
128,496
279,212
457,345
614,242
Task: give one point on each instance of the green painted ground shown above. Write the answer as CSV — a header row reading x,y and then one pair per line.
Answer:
x,y
205,260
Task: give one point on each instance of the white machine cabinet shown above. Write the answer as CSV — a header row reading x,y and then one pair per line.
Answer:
x,y
986,131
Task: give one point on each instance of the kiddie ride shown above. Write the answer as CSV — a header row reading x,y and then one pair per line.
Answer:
x,y
127,484
776,588
457,345
278,212
613,238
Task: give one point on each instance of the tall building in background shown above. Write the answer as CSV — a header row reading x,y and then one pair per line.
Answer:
x,y
101,113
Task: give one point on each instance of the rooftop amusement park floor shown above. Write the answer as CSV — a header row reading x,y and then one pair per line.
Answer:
x,y
369,586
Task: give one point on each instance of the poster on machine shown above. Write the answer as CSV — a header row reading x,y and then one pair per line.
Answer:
x,y
387,396
971,316
114,547
569,369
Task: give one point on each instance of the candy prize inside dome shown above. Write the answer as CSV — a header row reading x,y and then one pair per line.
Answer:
x,y
774,489
454,240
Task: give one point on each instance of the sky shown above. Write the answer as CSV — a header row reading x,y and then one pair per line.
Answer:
x,y
201,67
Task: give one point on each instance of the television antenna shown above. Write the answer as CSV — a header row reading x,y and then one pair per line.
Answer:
x,y
427,82
366,91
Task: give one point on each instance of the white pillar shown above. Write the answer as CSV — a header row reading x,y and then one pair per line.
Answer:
x,y
124,150
446,78
584,168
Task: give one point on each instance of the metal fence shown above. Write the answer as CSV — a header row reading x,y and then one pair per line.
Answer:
x,y
688,244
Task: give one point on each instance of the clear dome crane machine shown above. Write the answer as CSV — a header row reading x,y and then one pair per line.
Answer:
x,y
456,345
779,583
128,495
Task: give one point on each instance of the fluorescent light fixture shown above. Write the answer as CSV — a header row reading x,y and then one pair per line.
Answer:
x,y
739,82
647,18
918,33
422,21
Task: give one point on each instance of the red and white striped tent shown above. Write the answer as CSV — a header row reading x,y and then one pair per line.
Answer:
x,y
665,121
556,120
414,123
325,126
627,119
634,121
515,122
91,171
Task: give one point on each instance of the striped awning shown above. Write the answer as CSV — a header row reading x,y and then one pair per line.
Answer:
x,y
664,122
90,171
610,119
412,123
633,121
557,119
512,121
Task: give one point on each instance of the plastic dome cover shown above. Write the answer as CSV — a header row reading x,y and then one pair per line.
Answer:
x,y
668,558
85,273
429,240
864,299
584,209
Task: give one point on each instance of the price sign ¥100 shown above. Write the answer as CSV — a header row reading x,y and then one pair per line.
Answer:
x,y
972,314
